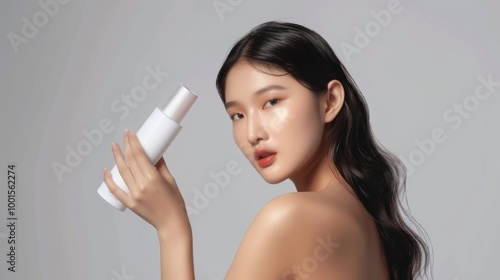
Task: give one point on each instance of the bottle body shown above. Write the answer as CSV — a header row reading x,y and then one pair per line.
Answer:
x,y
155,136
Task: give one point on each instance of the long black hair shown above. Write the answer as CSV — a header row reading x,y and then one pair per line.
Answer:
x,y
377,176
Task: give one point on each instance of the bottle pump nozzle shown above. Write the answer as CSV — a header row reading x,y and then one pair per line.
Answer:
x,y
179,103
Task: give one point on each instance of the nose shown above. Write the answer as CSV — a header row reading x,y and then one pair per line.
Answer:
x,y
256,130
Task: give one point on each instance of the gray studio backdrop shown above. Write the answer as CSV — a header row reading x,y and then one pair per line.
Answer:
x,y
72,78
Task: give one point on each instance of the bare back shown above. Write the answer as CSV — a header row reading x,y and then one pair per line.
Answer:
x,y
296,236
335,215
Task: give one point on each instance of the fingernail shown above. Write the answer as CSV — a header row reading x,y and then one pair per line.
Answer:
x,y
127,132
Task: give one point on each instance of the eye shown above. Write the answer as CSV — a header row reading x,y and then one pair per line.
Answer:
x,y
273,101
237,114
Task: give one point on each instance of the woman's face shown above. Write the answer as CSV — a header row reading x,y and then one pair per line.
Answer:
x,y
273,115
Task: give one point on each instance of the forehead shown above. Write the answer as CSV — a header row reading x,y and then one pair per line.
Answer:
x,y
248,78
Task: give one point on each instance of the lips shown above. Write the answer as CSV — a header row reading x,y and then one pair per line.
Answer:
x,y
264,157
262,153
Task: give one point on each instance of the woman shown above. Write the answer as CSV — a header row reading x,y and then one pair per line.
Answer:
x,y
296,114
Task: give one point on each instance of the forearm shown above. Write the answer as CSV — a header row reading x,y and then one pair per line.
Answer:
x,y
176,254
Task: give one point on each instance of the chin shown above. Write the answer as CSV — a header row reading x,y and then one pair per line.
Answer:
x,y
273,181
271,178
271,174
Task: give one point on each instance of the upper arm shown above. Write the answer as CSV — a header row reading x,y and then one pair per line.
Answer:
x,y
266,250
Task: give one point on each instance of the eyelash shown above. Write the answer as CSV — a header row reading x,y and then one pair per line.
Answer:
x,y
232,116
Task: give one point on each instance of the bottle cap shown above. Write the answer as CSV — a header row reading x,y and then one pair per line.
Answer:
x,y
179,103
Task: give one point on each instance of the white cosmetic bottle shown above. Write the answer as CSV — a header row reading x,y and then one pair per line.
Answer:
x,y
155,136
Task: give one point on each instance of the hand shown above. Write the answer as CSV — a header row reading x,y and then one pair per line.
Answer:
x,y
153,193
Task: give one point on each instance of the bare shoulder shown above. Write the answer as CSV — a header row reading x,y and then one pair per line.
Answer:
x,y
306,218
339,225
318,211
329,234
265,250
283,233
294,215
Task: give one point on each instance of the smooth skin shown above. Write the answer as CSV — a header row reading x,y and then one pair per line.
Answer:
x,y
321,231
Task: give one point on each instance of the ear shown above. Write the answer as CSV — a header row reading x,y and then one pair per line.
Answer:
x,y
332,100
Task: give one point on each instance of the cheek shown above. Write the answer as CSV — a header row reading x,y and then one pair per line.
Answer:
x,y
302,133
282,118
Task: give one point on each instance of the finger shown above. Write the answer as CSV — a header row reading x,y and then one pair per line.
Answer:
x,y
120,194
162,167
122,166
130,158
140,155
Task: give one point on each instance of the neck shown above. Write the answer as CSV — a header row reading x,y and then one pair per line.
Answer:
x,y
317,174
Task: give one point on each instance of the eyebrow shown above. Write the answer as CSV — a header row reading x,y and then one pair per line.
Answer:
x,y
257,93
